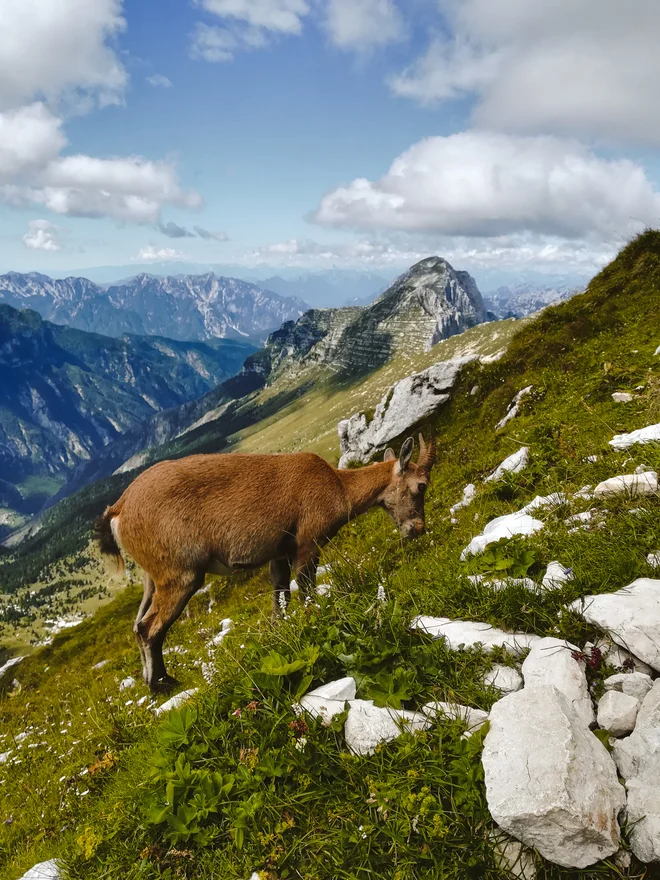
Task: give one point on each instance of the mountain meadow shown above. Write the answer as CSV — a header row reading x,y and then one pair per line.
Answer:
x,y
244,777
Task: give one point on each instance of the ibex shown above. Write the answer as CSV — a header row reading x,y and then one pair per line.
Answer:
x,y
228,513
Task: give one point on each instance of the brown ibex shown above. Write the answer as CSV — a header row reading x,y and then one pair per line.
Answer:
x,y
227,513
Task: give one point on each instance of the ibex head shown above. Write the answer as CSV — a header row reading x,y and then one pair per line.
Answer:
x,y
404,497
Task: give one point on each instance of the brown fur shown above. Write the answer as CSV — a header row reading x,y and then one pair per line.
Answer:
x,y
181,519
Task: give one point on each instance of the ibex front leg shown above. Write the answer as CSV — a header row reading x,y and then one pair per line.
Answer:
x,y
307,562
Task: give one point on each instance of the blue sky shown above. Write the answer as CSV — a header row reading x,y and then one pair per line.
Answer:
x,y
502,134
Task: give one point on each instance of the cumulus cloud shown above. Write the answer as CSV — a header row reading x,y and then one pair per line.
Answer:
x,y
172,230
362,24
30,137
208,235
59,48
572,66
484,184
247,24
151,254
41,236
159,81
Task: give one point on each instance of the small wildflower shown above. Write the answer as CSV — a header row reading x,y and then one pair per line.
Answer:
x,y
298,726
301,743
252,706
381,596
237,713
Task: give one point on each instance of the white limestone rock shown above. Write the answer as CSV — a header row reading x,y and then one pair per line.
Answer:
x,y
653,559
631,616
513,407
175,701
514,858
556,576
100,664
342,689
329,700
469,494
401,407
127,683
650,434
469,633
502,583
555,499
504,679
622,397
622,659
367,725
518,523
225,628
551,663
635,684
474,719
638,759
629,485
549,781
617,712
13,661
514,464
43,871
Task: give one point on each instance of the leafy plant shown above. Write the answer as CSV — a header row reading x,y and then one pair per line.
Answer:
x,y
506,558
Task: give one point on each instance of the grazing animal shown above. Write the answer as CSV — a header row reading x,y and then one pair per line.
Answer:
x,y
228,513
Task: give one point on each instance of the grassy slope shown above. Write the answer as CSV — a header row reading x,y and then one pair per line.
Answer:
x,y
416,809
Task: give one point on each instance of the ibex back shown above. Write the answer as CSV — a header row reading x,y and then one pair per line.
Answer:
x,y
228,513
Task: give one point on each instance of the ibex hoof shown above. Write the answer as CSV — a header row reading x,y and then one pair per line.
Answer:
x,y
164,685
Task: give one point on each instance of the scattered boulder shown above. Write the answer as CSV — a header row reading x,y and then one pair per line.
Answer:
x,y
551,663
503,583
175,701
470,633
635,684
100,664
518,523
650,434
631,616
514,464
367,725
549,781
504,679
225,627
14,661
622,659
630,485
403,405
617,712
514,858
622,397
330,699
653,560
638,759
473,719
468,497
556,576
43,871
342,689
513,408
127,683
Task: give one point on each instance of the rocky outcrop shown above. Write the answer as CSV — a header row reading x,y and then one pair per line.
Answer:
x,y
404,404
549,781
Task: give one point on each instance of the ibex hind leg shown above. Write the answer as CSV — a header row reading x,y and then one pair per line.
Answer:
x,y
280,576
168,601
142,610
306,565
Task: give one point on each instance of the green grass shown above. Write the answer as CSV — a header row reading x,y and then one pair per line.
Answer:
x,y
247,795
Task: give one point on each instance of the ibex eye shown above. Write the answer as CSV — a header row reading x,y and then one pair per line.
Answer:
x,y
421,487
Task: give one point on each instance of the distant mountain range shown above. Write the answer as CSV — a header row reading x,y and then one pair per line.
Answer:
x,y
527,298
191,307
338,287
66,393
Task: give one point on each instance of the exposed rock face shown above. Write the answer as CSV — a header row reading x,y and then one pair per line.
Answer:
x,y
66,394
638,759
549,781
189,307
405,404
631,616
551,663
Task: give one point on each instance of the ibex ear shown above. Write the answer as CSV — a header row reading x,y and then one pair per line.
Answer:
x,y
406,454
390,454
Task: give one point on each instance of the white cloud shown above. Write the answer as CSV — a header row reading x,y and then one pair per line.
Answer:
x,y
484,184
213,44
206,234
41,236
571,66
30,137
159,81
361,24
57,48
150,254
281,16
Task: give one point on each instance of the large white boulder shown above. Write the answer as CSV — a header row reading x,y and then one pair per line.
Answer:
x,y
515,463
635,684
551,663
631,616
650,434
470,633
329,700
617,712
638,759
504,679
549,781
367,725
43,871
401,407
629,485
